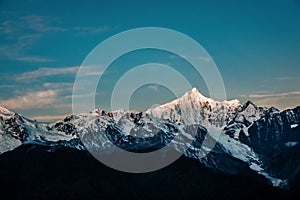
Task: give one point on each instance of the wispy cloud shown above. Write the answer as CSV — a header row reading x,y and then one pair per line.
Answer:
x,y
34,59
49,118
61,85
153,87
40,99
204,58
279,100
198,58
22,33
16,49
91,30
272,95
284,78
45,71
7,86
40,23
48,71
84,95
35,23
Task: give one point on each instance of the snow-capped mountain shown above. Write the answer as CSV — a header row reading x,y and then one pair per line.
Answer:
x,y
16,130
194,108
228,136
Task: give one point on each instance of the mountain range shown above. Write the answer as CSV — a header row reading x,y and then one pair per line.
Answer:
x,y
227,137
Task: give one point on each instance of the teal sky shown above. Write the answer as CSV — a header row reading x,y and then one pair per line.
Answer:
x,y
255,45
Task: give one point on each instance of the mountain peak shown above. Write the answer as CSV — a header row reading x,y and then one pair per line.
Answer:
x,y
195,95
195,90
5,111
250,103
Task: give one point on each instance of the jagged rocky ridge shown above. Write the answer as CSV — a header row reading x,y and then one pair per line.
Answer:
x,y
237,137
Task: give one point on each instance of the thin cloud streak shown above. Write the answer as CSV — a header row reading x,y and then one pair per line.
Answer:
x,y
45,71
7,86
60,85
24,32
36,23
34,59
272,95
91,30
16,50
282,102
153,87
49,118
40,23
279,100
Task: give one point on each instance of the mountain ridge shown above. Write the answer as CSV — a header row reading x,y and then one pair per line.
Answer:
x,y
243,134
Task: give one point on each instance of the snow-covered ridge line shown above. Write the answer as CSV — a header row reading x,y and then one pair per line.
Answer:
x,y
194,108
242,131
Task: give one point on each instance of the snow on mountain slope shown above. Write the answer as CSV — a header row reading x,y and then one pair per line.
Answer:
x,y
245,118
194,108
236,134
7,142
16,129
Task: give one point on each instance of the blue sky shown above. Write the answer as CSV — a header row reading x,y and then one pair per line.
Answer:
x,y
255,45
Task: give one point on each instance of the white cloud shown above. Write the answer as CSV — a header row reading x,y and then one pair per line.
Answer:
x,y
273,95
91,30
279,100
83,95
63,85
206,59
7,86
63,105
49,118
40,23
153,87
23,33
41,99
45,71
34,59
35,23
285,78
16,50
199,58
